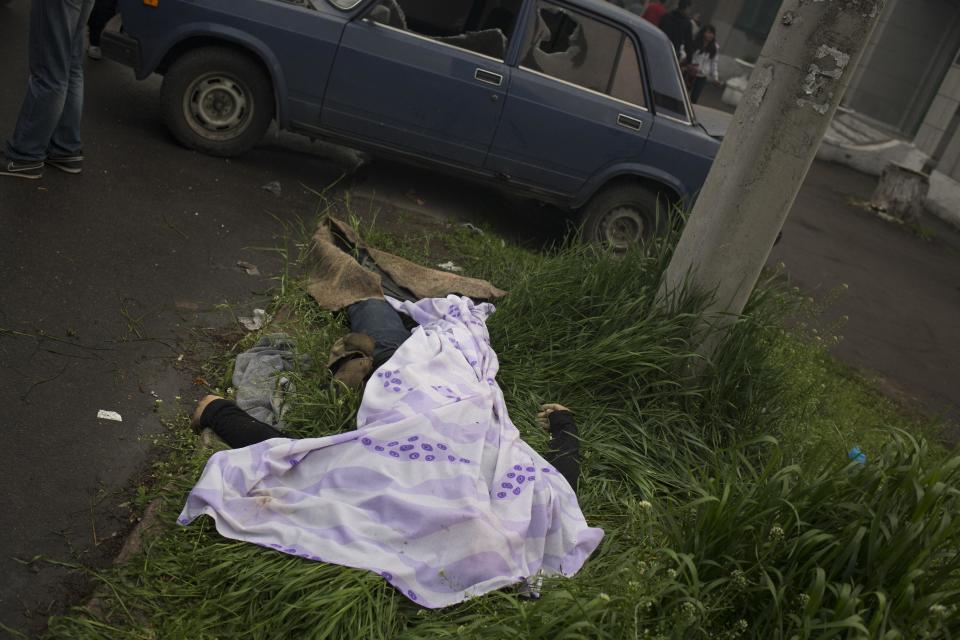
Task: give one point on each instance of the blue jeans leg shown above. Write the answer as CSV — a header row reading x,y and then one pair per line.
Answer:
x,y
50,114
698,84
380,321
65,140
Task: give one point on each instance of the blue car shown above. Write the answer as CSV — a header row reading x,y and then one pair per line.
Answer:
x,y
572,102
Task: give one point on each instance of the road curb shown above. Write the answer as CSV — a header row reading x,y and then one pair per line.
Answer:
x,y
150,525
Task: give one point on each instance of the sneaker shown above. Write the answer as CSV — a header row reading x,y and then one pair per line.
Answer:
x,y
94,53
69,164
27,170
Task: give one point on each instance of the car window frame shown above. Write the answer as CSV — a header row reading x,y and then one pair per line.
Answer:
x,y
364,16
660,112
353,6
626,33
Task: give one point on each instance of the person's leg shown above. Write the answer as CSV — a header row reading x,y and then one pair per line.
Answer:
x,y
232,424
65,141
698,85
103,10
54,25
377,319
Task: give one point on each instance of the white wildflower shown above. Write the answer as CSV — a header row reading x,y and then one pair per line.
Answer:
x,y
777,533
739,578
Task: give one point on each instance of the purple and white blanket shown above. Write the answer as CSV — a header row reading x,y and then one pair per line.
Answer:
x,y
435,490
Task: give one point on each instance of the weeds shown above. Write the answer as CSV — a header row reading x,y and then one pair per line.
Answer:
x,y
730,506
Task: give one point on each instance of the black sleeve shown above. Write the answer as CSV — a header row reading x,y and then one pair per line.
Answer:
x,y
235,426
564,446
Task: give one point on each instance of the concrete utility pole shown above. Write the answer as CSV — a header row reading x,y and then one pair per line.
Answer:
x,y
802,74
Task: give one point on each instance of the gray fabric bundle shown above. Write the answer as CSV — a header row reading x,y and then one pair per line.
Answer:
x,y
261,388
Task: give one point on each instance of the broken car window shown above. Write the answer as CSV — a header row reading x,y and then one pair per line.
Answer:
x,y
481,26
586,52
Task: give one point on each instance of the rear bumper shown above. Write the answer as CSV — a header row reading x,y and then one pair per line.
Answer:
x,y
120,47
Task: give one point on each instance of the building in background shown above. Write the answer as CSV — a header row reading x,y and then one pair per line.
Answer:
x,y
908,83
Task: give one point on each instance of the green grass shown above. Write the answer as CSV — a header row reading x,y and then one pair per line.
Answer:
x,y
730,506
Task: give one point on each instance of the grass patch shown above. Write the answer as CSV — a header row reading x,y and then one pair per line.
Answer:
x,y
730,506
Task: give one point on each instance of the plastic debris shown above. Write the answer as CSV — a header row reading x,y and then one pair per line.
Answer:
x,y
857,456
273,187
109,415
249,267
472,227
256,322
450,266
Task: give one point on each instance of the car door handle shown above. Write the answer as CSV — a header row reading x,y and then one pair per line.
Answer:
x,y
489,77
629,123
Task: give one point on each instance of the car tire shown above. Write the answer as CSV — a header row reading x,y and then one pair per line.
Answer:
x,y
217,100
624,215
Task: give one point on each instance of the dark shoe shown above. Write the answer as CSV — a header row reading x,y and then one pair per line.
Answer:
x,y
69,164
26,170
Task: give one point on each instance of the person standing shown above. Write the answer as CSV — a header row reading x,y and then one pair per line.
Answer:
x,y
103,11
679,29
654,12
48,127
704,65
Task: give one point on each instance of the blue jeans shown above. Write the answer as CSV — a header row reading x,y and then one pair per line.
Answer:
x,y
49,121
377,319
698,84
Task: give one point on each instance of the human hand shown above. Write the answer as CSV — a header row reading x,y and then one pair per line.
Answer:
x,y
543,418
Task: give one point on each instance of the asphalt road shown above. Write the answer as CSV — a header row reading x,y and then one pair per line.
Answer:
x,y
104,277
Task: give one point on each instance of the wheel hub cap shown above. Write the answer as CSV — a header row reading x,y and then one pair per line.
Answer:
x,y
218,104
623,228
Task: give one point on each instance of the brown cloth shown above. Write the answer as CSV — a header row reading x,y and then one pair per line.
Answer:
x,y
339,280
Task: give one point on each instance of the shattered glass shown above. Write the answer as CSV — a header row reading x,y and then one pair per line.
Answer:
x,y
481,26
584,52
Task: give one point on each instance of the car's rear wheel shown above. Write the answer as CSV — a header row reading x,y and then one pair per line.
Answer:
x,y
623,216
217,100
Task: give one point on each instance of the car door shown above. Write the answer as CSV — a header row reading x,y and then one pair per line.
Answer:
x,y
424,78
577,102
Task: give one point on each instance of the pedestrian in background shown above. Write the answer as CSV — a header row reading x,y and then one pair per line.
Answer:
x,y
654,12
103,11
703,64
679,28
48,127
